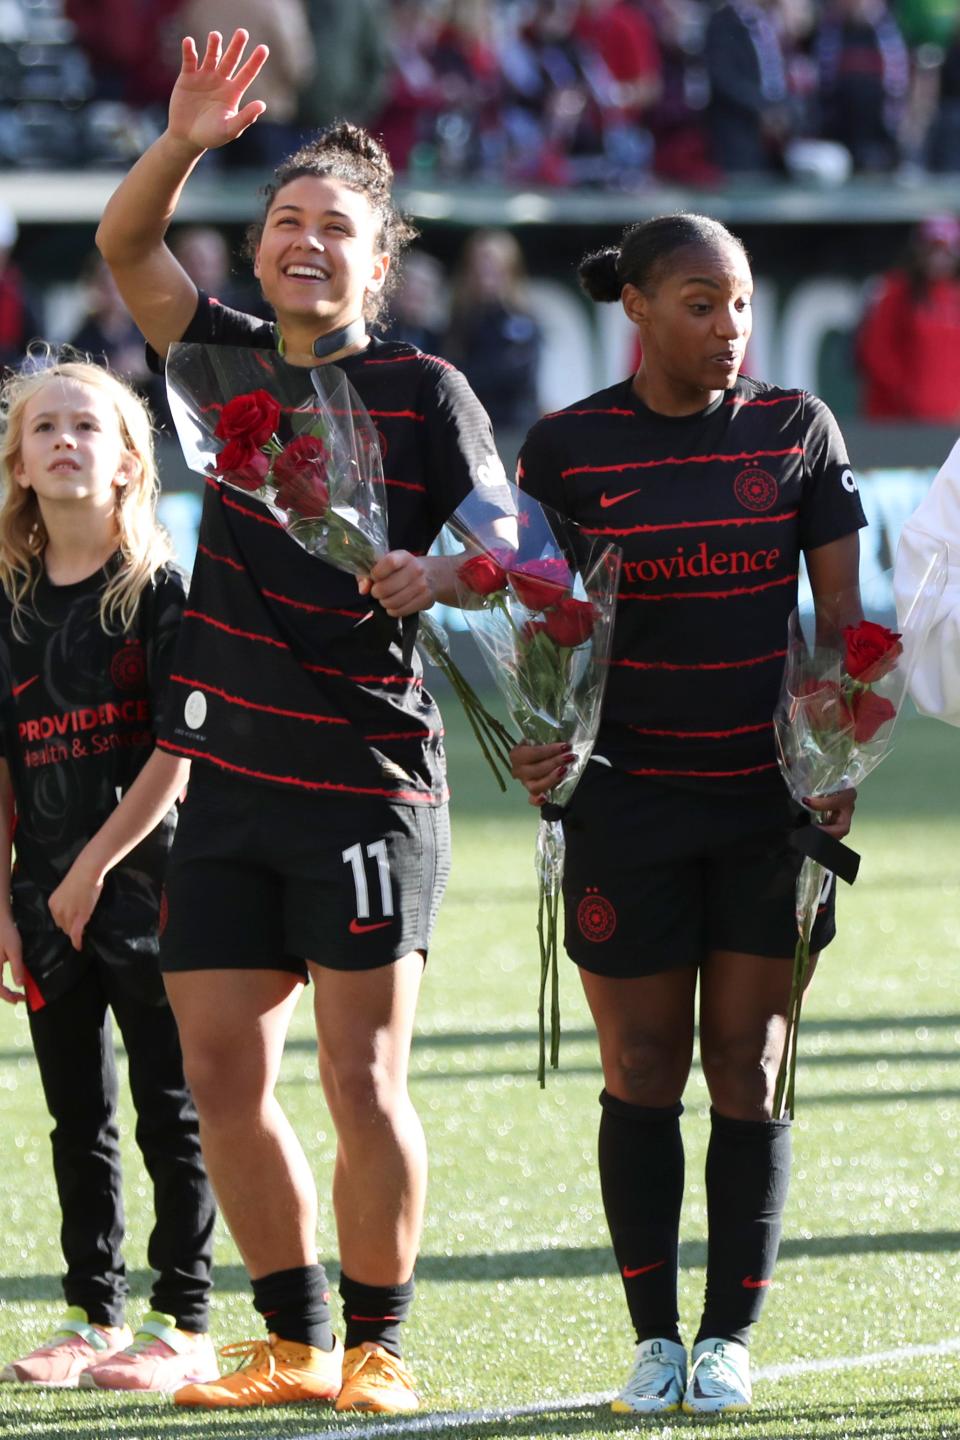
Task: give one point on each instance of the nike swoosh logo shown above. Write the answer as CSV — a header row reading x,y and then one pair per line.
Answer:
x,y
19,689
749,1283
629,1274
356,928
607,500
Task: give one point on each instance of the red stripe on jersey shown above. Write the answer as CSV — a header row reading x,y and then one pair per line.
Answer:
x,y
680,460
714,594
690,524
401,359
774,400
407,485
425,734
708,774
413,680
703,734
222,559
592,410
700,664
232,630
264,519
406,797
313,609
256,705
399,414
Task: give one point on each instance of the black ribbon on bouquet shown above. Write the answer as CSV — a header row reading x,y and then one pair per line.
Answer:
x,y
829,852
550,811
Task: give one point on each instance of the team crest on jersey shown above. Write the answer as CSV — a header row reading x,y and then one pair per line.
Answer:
x,y
127,668
596,917
755,489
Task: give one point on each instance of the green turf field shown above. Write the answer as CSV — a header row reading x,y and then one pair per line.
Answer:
x,y
519,1305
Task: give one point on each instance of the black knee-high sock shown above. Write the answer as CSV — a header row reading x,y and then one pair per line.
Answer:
x,y
296,1305
641,1180
748,1175
374,1312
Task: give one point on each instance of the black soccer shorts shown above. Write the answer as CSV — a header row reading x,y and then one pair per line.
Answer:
x,y
262,879
631,912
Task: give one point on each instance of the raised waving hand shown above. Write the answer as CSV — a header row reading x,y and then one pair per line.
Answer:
x,y
205,104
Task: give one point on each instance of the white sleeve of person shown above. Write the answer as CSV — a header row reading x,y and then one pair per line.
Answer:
x,y
935,681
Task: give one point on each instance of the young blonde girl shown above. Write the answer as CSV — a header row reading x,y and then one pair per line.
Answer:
x,y
90,604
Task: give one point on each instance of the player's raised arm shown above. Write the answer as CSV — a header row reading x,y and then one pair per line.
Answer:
x,y
206,111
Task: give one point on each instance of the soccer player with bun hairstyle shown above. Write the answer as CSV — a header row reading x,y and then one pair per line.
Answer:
x,y
90,605
679,869
315,836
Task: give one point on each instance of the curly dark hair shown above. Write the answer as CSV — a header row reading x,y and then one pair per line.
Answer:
x,y
351,155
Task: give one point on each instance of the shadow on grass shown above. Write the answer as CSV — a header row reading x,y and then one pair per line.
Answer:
x,y
561,1263
145,1420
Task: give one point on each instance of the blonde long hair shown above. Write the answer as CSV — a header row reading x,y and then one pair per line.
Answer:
x,y
143,544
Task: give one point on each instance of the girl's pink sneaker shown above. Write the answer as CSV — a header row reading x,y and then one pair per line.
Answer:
x,y
69,1353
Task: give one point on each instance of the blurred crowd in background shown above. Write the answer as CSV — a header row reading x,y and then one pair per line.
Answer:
x,y
549,92
612,93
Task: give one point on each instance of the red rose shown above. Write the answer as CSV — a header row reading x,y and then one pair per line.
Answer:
x,y
242,464
824,705
570,622
300,473
872,650
483,574
870,713
540,583
253,418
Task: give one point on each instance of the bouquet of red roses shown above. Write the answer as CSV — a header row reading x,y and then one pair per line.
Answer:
x,y
839,700
539,596
302,442
299,440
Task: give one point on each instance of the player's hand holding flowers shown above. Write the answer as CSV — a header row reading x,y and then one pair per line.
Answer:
x,y
539,597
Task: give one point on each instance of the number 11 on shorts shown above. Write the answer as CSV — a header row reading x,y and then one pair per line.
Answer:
x,y
353,856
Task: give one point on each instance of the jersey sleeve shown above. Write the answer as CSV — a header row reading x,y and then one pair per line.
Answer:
x,y
539,472
461,453
216,324
161,612
935,679
830,503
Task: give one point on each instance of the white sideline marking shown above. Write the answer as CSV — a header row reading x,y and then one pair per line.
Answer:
x,y
458,1419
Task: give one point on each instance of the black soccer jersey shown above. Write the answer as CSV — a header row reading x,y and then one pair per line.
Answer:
x,y
284,674
77,718
712,512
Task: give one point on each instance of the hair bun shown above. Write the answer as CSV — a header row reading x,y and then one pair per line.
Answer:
x,y
600,274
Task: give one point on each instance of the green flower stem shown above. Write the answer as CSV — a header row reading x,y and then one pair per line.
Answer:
x,y
544,971
484,739
785,1089
554,903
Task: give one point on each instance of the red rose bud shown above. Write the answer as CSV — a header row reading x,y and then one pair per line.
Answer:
x,y
570,622
300,475
253,417
538,584
872,650
870,713
242,464
483,574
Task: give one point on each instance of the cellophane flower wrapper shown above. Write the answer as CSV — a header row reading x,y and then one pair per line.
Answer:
x,y
301,442
539,596
297,439
844,684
